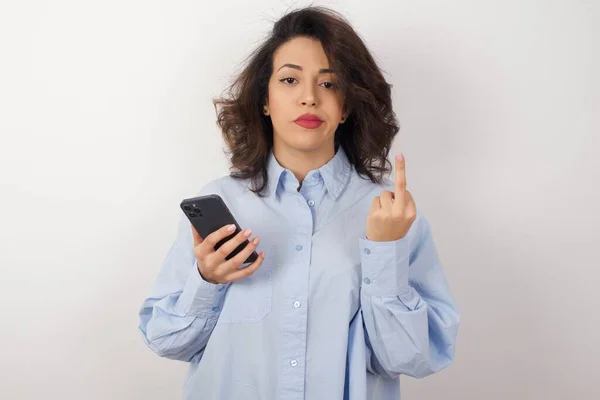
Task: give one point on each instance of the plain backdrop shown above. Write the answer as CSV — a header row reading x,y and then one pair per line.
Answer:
x,y
106,123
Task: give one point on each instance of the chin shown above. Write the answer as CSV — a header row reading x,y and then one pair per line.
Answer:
x,y
304,140
306,145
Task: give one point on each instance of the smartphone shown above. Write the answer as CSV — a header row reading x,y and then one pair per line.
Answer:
x,y
210,213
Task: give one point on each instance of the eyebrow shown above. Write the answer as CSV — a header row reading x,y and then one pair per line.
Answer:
x,y
299,68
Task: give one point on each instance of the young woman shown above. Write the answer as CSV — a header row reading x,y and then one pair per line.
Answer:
x,y
348,292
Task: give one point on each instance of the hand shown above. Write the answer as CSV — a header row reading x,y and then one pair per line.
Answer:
x,y
392,213
212,264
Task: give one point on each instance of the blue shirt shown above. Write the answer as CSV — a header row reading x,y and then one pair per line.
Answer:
x,y
329,314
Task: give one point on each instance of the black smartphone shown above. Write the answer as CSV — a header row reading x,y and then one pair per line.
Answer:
x,y
210,213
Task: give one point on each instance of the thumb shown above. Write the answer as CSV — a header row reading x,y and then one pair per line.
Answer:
x,y
376,204
196,235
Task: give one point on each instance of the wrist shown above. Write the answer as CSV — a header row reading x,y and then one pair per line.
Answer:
x,y
385,266
204,278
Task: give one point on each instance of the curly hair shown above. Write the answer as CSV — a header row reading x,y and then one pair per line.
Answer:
x,y
370,127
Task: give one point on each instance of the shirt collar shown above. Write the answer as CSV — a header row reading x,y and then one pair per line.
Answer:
x,y
335,173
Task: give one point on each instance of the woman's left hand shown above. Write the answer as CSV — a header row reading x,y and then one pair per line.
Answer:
x,y
392,213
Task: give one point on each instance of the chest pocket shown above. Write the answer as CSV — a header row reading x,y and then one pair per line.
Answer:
x,y
250,299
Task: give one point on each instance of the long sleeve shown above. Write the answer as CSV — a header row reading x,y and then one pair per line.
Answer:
x,y
181,310
410,318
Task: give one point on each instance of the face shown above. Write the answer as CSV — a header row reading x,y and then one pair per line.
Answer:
x,y
302,83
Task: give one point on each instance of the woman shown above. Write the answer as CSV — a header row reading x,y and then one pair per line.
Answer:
x,y
347,293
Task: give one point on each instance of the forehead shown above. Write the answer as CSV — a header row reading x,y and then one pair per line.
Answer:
x,y
303,51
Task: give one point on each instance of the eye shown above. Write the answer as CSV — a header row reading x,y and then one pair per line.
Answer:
x,y
287,80
331,85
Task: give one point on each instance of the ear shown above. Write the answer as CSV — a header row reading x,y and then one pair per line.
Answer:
x,y
266,107
344,117
345,114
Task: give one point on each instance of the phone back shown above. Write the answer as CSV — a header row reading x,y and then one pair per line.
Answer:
x,y
210,213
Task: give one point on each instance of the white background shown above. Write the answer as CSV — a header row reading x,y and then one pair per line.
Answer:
x,y
106,123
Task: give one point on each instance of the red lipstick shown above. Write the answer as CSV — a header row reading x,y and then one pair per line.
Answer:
x,y
309,121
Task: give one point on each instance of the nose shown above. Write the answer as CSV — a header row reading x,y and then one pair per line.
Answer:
x,y
308,97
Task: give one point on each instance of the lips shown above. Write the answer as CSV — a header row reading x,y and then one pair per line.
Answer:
x,y
309,121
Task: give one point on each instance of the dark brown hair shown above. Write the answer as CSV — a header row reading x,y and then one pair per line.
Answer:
x,y
370,127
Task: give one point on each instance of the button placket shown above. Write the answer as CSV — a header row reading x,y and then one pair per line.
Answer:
x,y
297,250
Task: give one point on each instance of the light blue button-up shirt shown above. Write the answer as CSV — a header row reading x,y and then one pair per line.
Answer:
x,y
329,314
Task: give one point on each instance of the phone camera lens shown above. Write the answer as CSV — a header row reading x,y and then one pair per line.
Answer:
x,y
187,208
192,215
197,210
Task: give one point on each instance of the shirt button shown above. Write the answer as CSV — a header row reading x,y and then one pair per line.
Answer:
x,y
297,304
293,363
311,203
367,281
299,247
367,251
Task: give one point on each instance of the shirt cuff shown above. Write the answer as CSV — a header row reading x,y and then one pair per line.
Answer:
x,y
384,267
200,297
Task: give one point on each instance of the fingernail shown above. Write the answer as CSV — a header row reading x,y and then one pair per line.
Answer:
x,y
231,228
248,232
400,157
256,240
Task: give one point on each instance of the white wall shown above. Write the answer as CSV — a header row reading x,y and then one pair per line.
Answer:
x,y
107,123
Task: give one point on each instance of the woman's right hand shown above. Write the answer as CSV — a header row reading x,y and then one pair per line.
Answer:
x,y
212,264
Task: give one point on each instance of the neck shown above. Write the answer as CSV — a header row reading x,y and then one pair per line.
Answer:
x,y
301,162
